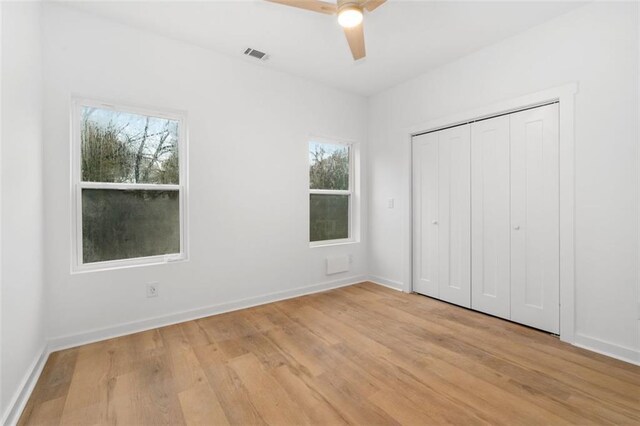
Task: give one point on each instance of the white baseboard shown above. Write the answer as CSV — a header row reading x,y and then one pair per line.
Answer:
x,y
603,347
12,414
69,341
394,285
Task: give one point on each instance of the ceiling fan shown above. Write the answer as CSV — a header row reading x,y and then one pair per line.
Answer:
x,y
350,15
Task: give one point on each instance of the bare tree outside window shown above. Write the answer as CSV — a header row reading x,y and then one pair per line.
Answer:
x,y
128,148
329,167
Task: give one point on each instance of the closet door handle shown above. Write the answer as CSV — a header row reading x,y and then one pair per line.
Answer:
x,y
435,222
516,227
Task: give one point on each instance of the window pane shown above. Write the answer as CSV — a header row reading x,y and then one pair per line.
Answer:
x,y
328,166
329,217
127,224
128,148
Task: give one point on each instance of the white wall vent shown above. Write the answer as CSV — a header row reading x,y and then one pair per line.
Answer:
x,y
337,264
256,54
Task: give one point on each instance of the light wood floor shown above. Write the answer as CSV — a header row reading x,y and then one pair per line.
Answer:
x,y
357,355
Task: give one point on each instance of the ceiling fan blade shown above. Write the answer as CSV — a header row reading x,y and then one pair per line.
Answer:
x,y
313,5
373,4
355,37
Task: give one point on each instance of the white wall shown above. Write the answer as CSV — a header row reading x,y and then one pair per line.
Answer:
x,y
595,45
22,305
248,211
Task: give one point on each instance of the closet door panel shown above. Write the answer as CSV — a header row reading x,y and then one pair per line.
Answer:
x,y
535,218
425,212
454,212
490,217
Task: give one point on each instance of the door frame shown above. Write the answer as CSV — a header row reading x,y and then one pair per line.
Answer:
x,y
565,96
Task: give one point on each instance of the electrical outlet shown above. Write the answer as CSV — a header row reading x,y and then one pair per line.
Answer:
x,y
152,289
350,258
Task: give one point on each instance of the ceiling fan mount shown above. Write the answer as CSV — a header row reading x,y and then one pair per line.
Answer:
x,y
350,15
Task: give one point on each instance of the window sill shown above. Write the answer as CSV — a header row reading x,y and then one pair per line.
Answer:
x,y
331,243
127,263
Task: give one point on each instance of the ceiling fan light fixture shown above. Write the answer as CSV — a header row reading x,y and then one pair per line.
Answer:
x,y
350,16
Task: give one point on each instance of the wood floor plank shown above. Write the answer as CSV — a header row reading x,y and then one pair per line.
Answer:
x,y
299,354
195,333
53,384
154,394
233,396
186,370
313,403
200,406
362,354
408,413
270,399
354,407
47,413
209,355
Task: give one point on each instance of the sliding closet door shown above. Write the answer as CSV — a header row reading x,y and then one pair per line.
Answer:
x,y
425,215
535,218
441,215
490,217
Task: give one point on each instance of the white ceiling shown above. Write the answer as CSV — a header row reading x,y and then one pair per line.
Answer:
x,y
403,38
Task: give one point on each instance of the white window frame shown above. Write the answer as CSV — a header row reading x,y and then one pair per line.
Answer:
x,y
77,185
350,192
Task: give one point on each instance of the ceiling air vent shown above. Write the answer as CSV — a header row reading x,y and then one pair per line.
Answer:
x,y
256,54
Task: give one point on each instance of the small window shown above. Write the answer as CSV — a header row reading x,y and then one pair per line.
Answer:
x,y
129,186
330,192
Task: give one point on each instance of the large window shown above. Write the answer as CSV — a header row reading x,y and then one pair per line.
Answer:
x,y
330,192
129,185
